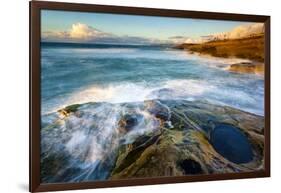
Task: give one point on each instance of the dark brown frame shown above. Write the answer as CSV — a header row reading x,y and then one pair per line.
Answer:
x,y
35,98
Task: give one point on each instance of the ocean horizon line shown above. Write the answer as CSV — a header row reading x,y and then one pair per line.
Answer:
x,y
105,43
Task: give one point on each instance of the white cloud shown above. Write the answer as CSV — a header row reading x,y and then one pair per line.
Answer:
x,y
55,34
85,32
241,31
80,32
194,40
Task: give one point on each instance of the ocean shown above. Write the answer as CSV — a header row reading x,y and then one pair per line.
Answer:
x,y
78,73
117,79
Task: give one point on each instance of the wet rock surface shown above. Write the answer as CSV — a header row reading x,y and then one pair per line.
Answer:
x,y
97,141
129,121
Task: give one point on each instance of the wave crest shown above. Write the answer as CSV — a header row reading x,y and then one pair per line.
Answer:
x,y
130,92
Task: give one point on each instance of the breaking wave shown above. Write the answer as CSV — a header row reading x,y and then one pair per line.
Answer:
x,y
190,89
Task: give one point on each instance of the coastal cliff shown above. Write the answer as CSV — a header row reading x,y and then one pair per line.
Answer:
x,y
251,48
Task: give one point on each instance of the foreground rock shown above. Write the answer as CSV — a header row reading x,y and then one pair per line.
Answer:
x,y
149,139
186,148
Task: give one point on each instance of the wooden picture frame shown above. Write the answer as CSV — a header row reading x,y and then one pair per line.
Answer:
x,y
35,94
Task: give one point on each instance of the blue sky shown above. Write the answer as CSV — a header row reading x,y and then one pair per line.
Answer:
x,y
161,28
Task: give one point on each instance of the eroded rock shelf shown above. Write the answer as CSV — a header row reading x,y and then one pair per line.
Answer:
x,y
97,141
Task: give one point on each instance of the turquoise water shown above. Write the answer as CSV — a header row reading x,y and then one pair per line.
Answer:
x,y
78,73
84,146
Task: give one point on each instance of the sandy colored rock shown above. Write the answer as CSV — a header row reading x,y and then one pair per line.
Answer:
x,y
245,67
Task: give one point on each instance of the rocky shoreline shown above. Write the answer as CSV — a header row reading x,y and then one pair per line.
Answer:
x,y
251,48
150,139
247,67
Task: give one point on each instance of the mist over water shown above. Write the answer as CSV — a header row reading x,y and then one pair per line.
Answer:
x,y
116,73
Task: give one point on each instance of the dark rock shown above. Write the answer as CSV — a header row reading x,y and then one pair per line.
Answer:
x,y
247,67
72,108
190,167
159,110
129,121
69,109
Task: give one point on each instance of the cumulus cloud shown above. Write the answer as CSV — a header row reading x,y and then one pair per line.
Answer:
x,y
195,40
54,35
80,32
83,31
185,39
241,31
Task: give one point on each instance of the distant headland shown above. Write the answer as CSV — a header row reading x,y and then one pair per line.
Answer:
x,y
245,45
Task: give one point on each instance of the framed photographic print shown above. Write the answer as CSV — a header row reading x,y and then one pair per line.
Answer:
x,y
123,96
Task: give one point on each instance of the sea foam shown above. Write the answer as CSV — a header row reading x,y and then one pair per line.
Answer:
x,y
190,89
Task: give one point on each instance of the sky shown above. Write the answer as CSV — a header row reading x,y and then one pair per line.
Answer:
x,y
90,27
